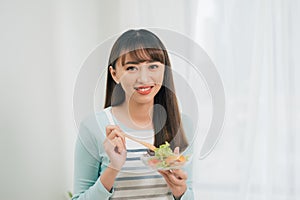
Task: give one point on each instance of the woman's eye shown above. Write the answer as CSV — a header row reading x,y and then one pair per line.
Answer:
x,y
131,68
153,66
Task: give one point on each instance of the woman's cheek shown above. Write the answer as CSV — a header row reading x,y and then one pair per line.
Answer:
x,y
128,89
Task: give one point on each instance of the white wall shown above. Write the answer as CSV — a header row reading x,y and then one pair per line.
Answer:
x,y
32,141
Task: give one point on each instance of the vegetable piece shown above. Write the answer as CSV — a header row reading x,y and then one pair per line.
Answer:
x,y
163,151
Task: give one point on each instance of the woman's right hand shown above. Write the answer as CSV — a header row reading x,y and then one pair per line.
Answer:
x,y
114,146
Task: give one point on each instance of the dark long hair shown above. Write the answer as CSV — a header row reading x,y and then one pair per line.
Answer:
x,y
143,45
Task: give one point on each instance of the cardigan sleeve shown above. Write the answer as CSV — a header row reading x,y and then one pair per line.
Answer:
x,y
87,184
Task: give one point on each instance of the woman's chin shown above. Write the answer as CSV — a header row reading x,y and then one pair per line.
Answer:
x,y
144,99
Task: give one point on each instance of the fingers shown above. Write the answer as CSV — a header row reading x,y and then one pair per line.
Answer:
x,y
171,183
116,134
110,128
119,145
174,177
176,150
180,174
164,174
113,131
116,138
115,144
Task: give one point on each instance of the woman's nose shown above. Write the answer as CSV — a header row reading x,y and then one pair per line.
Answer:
x,y
143,75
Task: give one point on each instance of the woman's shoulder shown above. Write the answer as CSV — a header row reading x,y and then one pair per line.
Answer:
x,y
101,116
95,123
92,133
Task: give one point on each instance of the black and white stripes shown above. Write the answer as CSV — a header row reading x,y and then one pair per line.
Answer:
x,y
137,181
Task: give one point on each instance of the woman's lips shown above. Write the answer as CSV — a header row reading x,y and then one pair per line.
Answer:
x,y
144,90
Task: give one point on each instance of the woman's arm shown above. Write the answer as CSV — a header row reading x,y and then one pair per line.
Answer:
x,y
88,163
87,183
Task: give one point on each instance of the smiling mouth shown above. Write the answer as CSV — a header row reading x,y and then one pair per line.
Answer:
x,y
144,90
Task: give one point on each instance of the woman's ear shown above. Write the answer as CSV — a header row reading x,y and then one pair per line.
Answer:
x,y
113,74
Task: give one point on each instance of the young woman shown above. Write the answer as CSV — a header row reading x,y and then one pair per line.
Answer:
x,y
140,101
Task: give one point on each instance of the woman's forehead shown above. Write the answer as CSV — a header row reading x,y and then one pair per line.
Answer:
x,y
135,58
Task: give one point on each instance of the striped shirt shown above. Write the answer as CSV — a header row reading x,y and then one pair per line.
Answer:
x,y
135,180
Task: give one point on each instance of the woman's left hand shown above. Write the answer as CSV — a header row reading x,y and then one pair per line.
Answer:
x,y
176,179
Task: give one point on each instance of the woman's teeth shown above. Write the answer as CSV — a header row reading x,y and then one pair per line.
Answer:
x,y
144,89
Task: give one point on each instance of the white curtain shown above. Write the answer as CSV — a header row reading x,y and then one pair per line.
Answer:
x,y
255,46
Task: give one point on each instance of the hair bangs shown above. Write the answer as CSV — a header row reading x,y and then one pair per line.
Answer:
x,y
145,54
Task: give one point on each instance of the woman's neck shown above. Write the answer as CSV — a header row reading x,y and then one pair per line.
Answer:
x,y
134,114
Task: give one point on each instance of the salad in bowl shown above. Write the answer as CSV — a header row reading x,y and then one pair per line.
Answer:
x,y
164,158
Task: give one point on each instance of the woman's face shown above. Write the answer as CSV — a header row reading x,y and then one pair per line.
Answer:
x,y
140,81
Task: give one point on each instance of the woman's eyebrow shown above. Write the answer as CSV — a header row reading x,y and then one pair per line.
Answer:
x,y
136,63
131,63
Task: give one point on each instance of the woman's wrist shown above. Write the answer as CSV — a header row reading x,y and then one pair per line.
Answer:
x,y
178,194
108,177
